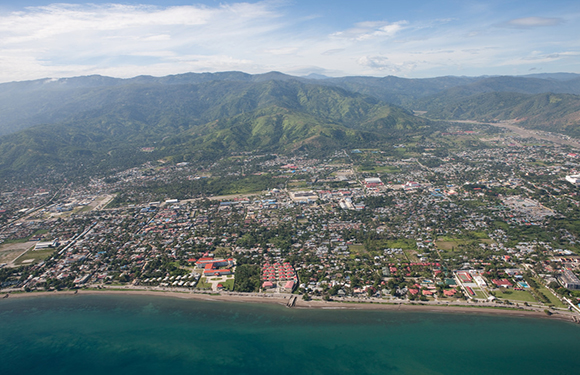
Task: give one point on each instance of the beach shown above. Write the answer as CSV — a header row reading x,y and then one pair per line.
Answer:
x,y
317,304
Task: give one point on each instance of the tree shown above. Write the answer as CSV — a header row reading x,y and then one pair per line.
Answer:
x,y
247,278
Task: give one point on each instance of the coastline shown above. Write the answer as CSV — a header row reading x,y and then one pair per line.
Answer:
x,y
315,304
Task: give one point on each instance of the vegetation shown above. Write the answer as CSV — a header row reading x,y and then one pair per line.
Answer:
x,y
247,278
558,113
107,127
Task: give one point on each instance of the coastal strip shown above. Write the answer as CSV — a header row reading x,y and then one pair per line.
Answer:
x,y
315,304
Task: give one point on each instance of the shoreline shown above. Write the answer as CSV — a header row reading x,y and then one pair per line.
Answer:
x,y
322,305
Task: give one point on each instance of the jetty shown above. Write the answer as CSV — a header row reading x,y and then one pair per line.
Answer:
x,y
291,302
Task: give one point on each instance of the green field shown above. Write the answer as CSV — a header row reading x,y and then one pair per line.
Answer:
x,y
36,255
411,255
516,295
357,249
553,299
298,184
380,169
404,244
20,240
228,284
478,293
203,284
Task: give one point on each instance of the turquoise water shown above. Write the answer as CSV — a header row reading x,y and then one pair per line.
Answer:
x,y
158,335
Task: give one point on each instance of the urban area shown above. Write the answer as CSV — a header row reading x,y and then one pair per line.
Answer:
x,y
475,217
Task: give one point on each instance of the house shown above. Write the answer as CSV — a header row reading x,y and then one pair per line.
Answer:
x,y
268,285
289,285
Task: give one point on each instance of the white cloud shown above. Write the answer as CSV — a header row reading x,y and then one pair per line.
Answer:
x,y
375,62
529,22
282,51
128,40
539,57
332,51
97,38
371,29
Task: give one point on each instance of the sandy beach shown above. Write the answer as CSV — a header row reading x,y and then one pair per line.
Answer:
x,y
315,304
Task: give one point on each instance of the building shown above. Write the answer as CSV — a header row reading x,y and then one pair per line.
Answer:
x,y
268,285
46,245
480,281
209,270
303,196
289,285
411,185
569,279
373,182
573,179
215,263
503,283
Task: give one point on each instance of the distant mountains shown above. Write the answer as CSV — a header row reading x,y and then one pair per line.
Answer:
x,y
71,123
91,122
558,113
29,103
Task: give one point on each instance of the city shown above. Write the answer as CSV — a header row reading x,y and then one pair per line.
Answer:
x,y
488,224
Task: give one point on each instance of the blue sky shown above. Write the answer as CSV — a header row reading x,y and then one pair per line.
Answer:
x,y
414,38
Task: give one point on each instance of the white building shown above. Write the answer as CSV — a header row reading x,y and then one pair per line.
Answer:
x,y
46,245
303,196
573,179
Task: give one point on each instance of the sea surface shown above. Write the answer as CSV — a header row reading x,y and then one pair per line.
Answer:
x,y
113,334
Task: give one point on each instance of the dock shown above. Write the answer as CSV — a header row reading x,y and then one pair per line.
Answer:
x,y
291,302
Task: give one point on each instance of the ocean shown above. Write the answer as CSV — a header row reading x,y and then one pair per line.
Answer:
x,y
115,334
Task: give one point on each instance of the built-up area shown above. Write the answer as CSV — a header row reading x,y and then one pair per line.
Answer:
x,y
494,221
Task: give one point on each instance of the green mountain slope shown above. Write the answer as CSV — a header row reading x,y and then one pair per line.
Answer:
x,y
45,101
189,120
551,112
504,84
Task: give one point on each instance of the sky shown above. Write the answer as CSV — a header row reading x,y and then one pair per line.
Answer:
x,y
412,38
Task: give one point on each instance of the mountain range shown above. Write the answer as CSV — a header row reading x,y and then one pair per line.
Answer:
x,y
69,124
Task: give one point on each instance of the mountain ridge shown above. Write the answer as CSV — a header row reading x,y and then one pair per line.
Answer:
x,y
223,115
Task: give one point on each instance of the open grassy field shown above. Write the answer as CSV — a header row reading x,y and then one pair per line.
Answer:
x,y
446,245
298,184
553,299
203,284
411,255
516,296
34,256
10,251
404,244
478,293
380,169
357,249
228,284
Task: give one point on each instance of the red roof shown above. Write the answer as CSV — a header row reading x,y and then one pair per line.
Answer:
x,y
502,282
